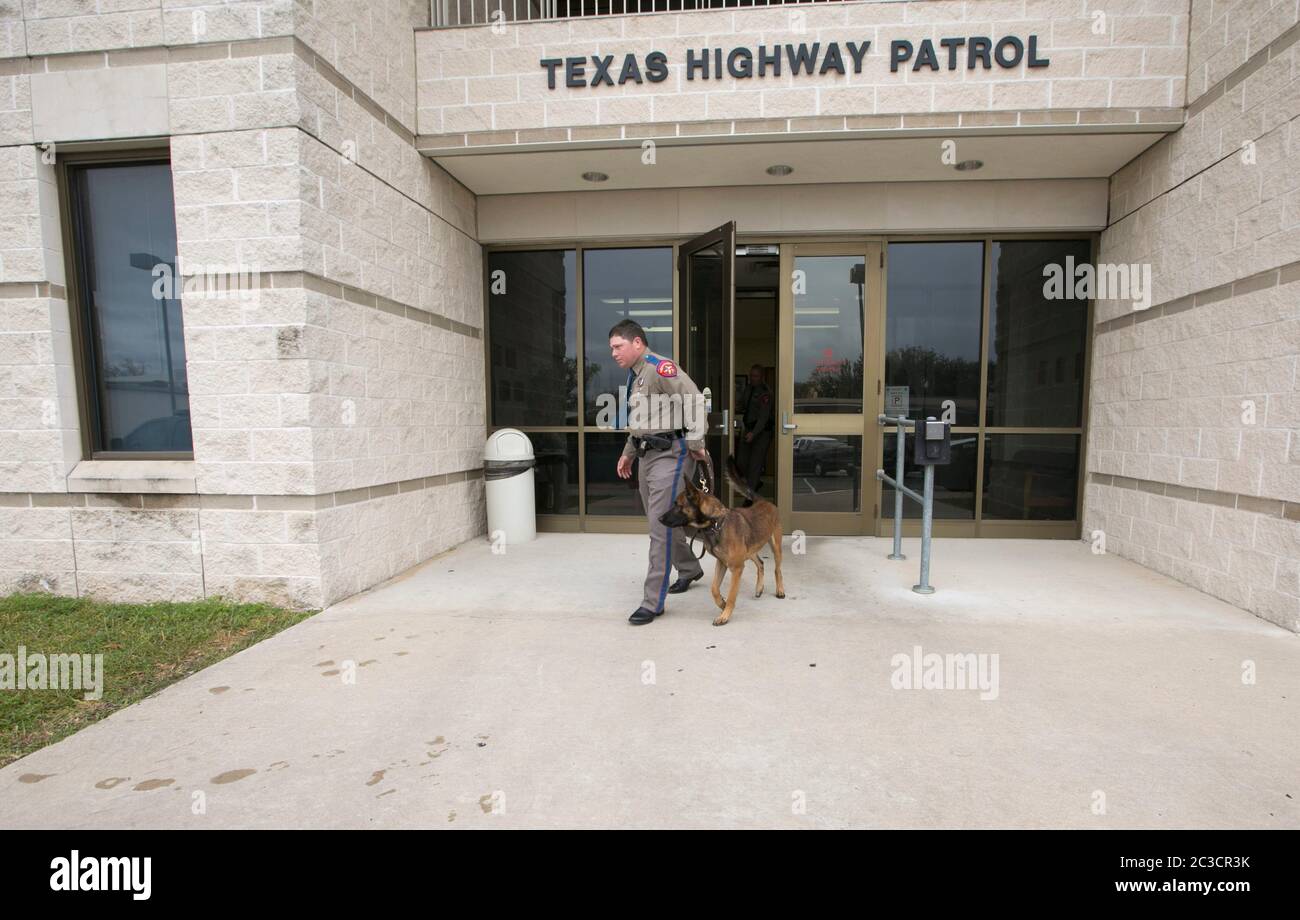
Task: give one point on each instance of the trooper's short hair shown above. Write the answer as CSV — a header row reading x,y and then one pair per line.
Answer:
x,y
629,329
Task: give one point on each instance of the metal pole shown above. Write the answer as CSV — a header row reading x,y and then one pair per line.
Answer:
x,y
927,516
900,443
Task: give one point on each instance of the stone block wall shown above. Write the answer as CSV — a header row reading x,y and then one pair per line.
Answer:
x,y
337,409
1194,435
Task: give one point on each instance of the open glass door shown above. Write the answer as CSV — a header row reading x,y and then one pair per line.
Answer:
x,y
706,273
827,436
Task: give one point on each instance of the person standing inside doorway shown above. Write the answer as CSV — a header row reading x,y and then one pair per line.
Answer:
x,y
756,411
668,435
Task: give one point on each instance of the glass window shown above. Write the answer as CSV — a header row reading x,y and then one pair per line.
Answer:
x,y
606,493
1036,345
828,333
124,232
533,324
932,335
954,483
827,473
556,484
621,284
1031,477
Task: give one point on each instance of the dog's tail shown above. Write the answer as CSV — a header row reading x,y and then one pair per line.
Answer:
x,y
738,481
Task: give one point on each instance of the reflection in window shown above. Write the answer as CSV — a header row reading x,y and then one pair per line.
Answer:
x,y
555,487
1031,477
533,325
706,278
954,483
932,336
623,284
1036,345
606,493
829,304
124,229
827,473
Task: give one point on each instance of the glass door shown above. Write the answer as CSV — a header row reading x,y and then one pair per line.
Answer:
x,y
827,434
706,273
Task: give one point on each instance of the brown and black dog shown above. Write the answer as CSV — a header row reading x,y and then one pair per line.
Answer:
x,y
732,535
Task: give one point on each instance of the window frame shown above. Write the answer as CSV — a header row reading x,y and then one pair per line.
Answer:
x,y
976,527
80,318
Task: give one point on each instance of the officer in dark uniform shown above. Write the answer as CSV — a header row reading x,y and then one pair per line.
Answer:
x,y
756,411
667,434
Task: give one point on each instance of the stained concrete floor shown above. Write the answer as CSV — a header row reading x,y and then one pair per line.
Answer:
x,y
508,690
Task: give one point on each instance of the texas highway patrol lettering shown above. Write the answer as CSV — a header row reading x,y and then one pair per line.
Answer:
x,y
818,58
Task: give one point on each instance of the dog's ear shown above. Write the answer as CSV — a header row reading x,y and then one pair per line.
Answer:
x,y
713,508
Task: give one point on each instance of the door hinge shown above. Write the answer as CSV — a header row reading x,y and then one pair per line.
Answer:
x,y
882,259
877,387
875,512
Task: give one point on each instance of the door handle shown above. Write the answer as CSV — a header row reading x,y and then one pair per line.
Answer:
x,y
723,424
786,424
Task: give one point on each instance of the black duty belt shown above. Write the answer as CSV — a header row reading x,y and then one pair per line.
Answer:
x,y
660,440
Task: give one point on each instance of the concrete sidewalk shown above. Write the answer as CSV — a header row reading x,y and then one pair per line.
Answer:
x,y
507,691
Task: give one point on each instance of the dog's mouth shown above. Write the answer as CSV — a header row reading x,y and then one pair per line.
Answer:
x,y
674,519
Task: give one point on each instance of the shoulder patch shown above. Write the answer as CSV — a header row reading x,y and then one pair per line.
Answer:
x,y
652,359
667,369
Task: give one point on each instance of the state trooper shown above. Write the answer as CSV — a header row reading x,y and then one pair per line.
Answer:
x,y
668,436
756,410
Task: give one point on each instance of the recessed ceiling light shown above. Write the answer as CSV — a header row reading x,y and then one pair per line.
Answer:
x,y
780,169
967,165
594,176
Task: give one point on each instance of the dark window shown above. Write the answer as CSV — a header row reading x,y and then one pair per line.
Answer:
x,y
556,484
620,284
954,483
1031,338
1031,477
932,336
606,493
128,296
533,322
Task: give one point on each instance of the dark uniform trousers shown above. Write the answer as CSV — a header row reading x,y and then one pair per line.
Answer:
x,y
662,476
751,456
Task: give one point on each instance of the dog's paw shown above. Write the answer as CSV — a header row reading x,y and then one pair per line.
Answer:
x,y
758,593
721,620
780,594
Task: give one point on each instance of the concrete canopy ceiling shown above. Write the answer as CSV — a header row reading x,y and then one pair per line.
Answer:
x,y
727,163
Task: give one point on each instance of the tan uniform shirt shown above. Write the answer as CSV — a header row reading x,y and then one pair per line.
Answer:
x,y
657,376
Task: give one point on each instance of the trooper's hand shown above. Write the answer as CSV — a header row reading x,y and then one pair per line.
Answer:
x,y
700,454
624,467
749,437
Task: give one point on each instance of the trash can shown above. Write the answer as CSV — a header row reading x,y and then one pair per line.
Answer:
x,y
508,480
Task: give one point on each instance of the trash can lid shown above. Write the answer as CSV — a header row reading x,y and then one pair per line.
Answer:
x,y
508,444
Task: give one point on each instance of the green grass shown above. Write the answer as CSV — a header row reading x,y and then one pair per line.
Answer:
x,y
145,646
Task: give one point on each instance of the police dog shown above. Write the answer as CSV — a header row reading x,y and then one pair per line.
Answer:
x,y
732,535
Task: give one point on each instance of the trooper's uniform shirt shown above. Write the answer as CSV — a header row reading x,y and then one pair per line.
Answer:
x,y
663,472
657,376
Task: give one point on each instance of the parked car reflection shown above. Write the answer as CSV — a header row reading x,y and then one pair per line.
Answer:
x,y
821,455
